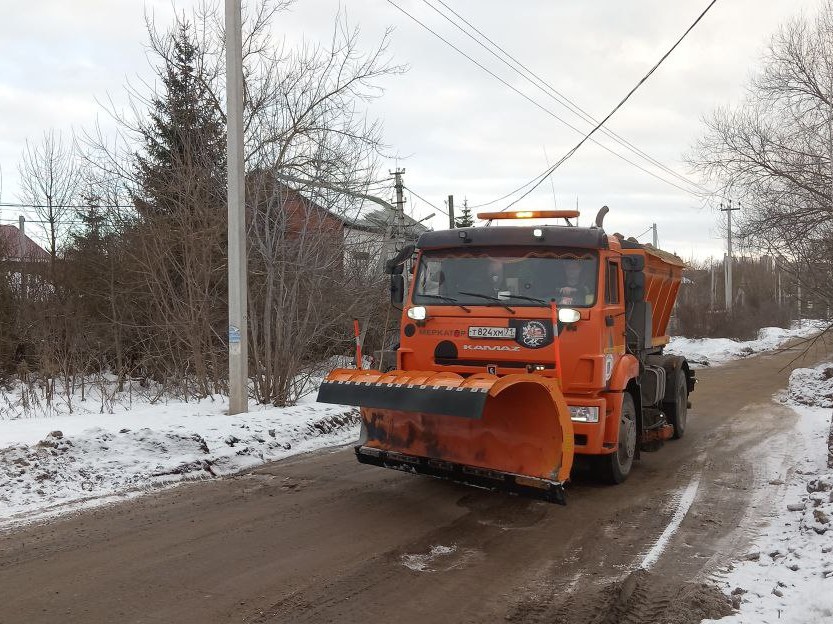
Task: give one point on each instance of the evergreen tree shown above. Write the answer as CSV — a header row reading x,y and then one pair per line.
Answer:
x,y
183,164
180,238
465,219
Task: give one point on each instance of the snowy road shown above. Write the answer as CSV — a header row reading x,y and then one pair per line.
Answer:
x,y
318,538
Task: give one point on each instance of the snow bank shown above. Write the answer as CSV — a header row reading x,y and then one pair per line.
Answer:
x,y
54,465
812,386
787,575
717,351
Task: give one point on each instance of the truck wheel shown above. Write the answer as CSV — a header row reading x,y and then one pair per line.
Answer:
x,y
616,467
677,411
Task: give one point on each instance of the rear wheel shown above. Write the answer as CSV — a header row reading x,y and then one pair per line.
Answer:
x,y
677,411
616,467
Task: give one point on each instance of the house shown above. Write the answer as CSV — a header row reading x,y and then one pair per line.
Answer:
x,y
15,247
26,262
372,237
367,239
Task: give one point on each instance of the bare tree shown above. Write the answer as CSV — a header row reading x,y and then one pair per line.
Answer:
x,y
774,152
49,179
304,118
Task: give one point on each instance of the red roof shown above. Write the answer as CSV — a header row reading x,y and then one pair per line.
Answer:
x,y
10,245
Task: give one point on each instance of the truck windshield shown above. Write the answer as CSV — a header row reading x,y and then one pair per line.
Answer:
x,y
523,279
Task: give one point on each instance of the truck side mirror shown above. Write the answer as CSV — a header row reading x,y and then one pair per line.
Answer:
x,y
634,286
633,263
394,265
397,288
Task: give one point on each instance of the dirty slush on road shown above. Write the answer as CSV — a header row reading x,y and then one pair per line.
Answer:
x,y
354,543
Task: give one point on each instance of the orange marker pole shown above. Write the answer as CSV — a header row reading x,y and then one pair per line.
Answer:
x,y
555,340
357,333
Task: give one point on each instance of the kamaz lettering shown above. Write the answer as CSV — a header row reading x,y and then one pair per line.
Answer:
x,y
489,348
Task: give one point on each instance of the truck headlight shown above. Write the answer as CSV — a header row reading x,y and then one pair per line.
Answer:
x,y
569,315
417,313
581,413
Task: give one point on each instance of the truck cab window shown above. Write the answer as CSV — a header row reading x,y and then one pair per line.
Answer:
x,y
612,283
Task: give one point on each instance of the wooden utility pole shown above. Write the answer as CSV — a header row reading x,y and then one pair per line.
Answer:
x,y
400,206
451,224
237,268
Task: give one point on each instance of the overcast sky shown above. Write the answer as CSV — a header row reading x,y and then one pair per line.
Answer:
x,y
457,130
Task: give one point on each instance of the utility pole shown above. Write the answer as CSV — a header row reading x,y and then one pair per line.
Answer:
x,y
451,224
727,208
656,240
711,290
237,270
400,206
21,244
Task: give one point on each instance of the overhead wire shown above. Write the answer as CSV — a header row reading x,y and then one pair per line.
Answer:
x,y
79,206
638,236
541,84
434,206
538,105
566,156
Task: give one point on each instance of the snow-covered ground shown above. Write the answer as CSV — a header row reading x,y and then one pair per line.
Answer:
x,y
787,574
67,453
58,463
715,351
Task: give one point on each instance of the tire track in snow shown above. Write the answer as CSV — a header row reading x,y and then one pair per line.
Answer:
x,y
683,505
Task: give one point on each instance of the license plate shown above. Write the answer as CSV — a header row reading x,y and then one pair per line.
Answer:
x,y
505,333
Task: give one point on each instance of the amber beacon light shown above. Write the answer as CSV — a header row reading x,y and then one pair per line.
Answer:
x,y
529,214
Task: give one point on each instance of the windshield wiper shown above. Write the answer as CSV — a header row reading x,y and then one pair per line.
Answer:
x,y
489,297
525,298
444,298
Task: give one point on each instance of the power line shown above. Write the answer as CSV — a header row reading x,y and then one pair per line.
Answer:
x,y
79,206
43,221
550,91
538,105
638,236
552,169
434,206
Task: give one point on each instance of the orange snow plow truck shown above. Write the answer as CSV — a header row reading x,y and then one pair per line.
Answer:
x,y
522,346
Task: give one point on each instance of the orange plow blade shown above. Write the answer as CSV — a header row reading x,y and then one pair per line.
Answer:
x,y
509,433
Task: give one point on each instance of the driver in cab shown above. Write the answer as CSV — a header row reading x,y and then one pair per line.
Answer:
x,y
574,291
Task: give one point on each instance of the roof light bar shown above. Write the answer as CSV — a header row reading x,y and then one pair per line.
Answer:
x,y
529,214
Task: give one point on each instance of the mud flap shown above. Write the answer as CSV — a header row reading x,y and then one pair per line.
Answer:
x,y
511,433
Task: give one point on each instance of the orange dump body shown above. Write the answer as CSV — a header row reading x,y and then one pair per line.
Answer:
x,y
663,275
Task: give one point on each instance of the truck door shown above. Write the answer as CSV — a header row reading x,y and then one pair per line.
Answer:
x,y
614,318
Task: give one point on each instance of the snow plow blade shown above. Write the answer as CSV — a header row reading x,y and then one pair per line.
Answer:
x,y
510,433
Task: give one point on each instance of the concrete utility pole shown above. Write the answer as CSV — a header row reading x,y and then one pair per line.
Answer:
x,y
656,240
727,208
400,206
21,244
711,290
237,270
451,224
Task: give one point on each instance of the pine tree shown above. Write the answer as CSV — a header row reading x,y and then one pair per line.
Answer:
x,y
465,219
179,241
183,162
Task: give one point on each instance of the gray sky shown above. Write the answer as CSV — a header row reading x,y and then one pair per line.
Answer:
x,y
457,130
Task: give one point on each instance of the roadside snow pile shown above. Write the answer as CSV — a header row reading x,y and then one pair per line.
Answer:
x,y
787,576
811,386
53,465
717,351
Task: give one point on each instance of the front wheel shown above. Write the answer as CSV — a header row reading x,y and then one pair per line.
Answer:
x,y
677,411
616,467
